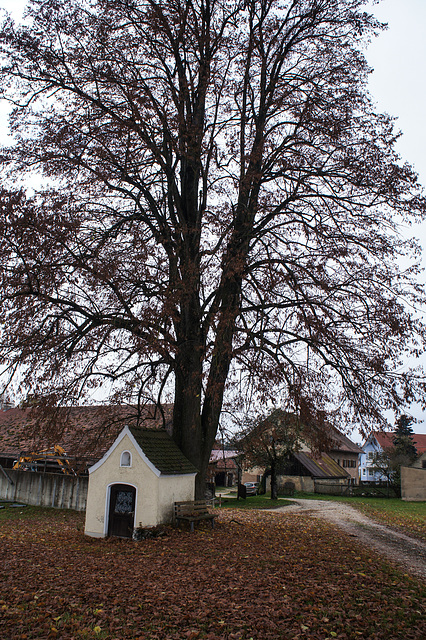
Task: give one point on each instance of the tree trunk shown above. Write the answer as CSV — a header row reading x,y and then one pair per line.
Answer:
x,y
189,430
274,494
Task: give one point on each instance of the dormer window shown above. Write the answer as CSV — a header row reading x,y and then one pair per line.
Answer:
x,y
126,459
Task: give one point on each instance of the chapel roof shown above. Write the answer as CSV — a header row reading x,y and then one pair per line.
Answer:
x,y
162,451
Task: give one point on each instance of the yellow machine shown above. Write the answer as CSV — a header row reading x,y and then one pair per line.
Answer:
x,y
32,461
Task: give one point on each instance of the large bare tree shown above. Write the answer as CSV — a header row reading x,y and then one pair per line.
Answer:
x,y
219,211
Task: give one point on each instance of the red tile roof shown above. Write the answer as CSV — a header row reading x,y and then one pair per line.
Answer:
x,y
84,432
385,440
226,465
419,440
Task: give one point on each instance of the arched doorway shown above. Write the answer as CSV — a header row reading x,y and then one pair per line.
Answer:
x,y
121,514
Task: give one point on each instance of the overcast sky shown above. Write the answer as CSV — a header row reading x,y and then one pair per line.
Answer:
x,y
397,84
398,57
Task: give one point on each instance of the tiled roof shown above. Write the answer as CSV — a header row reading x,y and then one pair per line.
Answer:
x,y
224,459
160,449
385,440
84,432
342,443
419,440
322,466
220,454
228,464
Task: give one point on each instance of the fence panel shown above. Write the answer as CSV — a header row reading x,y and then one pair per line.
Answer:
x,y
44,489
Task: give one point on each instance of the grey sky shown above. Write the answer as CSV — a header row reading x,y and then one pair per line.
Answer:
x,y
398,57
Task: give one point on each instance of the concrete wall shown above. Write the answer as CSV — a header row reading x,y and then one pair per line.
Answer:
x,y
413,484
301,483
155,495
332,486
420,463
44,489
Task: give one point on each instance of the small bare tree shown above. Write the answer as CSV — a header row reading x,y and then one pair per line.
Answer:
x,y
267,443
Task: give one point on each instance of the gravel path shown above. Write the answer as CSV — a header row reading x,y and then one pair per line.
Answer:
x,y
400,548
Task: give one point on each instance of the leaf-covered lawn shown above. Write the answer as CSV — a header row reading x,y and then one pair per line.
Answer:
x,y
407,517
258,575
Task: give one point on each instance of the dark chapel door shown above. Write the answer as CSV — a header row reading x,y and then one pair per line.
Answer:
x,y
121,510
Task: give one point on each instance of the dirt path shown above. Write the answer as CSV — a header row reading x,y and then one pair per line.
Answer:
x,y
406,551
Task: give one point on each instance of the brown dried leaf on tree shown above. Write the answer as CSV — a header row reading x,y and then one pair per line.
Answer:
x,y
221,212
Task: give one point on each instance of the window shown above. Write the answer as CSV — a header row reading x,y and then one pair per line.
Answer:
x,y
370,472
126,459
423,464
363,472
349,463
370,455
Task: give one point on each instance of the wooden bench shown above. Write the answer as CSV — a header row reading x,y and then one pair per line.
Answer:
x,y
193,511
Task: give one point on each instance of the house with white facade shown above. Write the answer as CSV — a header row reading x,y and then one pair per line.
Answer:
x,y
377,442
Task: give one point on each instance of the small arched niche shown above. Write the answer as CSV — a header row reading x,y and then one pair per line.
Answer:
x,y
126,459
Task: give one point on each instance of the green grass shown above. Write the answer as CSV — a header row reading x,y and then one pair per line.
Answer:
x,y
391,505
409,517
29,512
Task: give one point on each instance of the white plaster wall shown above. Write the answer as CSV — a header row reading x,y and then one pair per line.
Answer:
x,y
155,495
174,489
110,472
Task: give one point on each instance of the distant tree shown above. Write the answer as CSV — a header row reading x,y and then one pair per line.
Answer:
x,y
268,442
402,453
403,438
220,214
387,463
